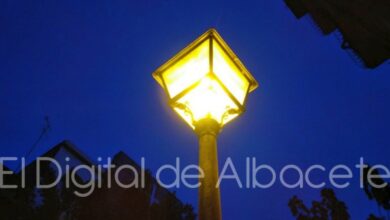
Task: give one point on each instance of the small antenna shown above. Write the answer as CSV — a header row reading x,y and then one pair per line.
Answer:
x,y
46,128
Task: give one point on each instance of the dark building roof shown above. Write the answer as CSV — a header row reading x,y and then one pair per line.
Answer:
x,y
363,24
55,153
115,202
122,158
157,192
67,146
71,148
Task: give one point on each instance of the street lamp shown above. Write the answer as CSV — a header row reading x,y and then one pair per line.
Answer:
x,y
207,85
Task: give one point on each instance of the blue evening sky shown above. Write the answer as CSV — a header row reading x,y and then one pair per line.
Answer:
x,y
88,64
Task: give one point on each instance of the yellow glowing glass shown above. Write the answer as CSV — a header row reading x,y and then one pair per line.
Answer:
x,y
195,65
230,75
206,79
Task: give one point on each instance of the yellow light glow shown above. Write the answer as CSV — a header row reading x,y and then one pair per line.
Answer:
x,y
191,68
207,99
206,80
227,71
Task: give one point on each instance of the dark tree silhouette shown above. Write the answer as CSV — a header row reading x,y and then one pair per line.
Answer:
x,y
328,208
381,195
373,217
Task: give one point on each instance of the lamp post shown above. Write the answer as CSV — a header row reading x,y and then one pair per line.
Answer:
x,y
207,85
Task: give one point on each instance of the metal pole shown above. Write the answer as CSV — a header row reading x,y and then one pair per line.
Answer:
x,y
209,196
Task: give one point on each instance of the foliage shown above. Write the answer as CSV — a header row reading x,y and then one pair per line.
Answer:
x,y
329,207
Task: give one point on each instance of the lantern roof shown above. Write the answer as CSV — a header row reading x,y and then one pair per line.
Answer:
x,y
211,33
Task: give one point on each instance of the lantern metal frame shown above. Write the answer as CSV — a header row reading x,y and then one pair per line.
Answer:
x,y
213,37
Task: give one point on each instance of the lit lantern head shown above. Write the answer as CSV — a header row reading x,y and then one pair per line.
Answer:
x,y
206,80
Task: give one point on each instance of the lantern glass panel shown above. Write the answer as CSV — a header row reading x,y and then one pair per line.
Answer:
x,y
188,70
228,72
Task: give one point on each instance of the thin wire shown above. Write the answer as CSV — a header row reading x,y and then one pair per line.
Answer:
x,y
44,131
